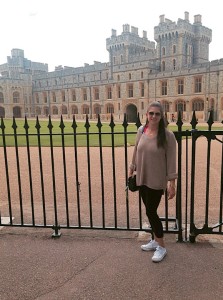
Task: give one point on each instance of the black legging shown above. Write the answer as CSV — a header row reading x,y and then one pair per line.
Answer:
x,y
151,199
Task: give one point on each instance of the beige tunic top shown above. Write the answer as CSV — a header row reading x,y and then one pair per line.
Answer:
x,y
154,166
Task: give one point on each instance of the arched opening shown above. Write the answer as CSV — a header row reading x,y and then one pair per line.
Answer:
x,y
2,112
131,113
17,112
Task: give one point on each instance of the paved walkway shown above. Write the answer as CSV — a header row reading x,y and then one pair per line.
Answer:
x,y
87,264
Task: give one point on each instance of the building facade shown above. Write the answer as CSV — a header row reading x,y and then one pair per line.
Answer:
x,y
174,69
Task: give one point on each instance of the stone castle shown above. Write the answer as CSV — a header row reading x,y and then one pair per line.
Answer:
x,y
174,69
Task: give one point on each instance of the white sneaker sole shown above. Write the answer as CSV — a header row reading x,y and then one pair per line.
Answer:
x,y
147,249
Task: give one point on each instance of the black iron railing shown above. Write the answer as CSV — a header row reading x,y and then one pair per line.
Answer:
x,y
66,185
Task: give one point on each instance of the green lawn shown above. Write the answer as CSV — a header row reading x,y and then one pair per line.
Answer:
x,y
81,137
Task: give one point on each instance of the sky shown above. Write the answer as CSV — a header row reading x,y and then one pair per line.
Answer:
x,y
73,32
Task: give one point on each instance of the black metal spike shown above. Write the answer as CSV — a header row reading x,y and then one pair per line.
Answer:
x,y
62,126
37,124
210,120
87,124
74,123
194,120
99,124
2,124
125,123
50,125
138,122
26,125
14,126
112,124
179,121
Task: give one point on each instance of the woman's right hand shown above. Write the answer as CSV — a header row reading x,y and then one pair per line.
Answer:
x,y
130,172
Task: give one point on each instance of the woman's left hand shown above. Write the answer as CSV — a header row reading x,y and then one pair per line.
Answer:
x,y
171,191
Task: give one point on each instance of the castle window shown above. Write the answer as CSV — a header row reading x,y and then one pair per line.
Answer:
x,y
163,51
141,74
118,77
15,97
198,105
130,76
96,93
166,106
174,64
142,89
163,66
180,86
164,88
119,91
110,109
63,96
197,85
74,110
73,96
119,106
54,97
86,109
55,110
109,92
130,90
180,106
64,110
174,49
45,99
1,98
142,105
97,109
84,91
37,98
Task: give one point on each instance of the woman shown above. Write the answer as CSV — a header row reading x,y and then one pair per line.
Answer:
x,y
154,160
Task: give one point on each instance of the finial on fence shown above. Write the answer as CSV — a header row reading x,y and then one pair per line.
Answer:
x,y
179,121
74,123
14,126
37,124
2,124
112,124
87,124
125,123
210,120
99,124
50,125
26,125
62,126
194,121
138,122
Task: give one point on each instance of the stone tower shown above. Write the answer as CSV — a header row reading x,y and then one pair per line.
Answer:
x,y
183,44
125,47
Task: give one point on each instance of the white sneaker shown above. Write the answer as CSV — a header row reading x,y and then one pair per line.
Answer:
x,y
159,254
152,245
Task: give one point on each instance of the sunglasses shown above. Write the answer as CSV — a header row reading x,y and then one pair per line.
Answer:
x,y
152,113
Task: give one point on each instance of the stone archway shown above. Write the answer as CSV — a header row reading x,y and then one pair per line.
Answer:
x,y
2,112
17,112
131,113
